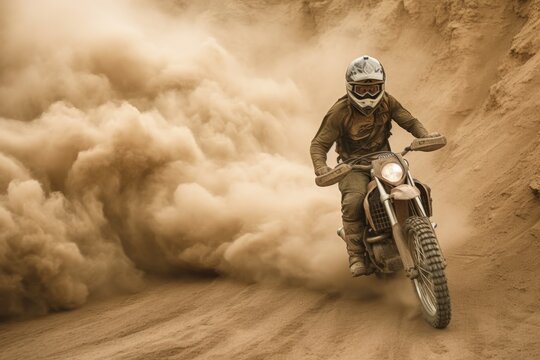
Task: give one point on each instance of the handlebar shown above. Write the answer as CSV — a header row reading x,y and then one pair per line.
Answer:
x,y
429,143
405,151
362,167
368,158
354,162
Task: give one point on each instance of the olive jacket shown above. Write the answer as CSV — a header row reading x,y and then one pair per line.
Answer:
x,y
356,134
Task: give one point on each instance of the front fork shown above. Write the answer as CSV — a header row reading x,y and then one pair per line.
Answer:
x,y
397,230
422,211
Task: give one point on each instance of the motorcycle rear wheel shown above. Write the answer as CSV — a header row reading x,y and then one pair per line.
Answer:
x,y
430,285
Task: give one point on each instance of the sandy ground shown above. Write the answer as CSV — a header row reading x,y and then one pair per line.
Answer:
x,y
215,318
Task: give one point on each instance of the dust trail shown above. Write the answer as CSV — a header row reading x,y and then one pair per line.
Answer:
x,y
159,138
132,141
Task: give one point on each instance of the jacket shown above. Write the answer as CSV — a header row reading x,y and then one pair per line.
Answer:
x,y
356,134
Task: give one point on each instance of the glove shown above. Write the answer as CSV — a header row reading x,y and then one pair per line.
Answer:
x,y
432,134
323,170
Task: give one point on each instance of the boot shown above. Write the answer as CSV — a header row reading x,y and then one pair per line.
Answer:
x,y
355,248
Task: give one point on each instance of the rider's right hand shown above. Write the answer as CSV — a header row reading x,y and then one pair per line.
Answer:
x,y
323,170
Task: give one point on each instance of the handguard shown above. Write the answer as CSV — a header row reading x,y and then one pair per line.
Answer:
x,y
428,143
334,176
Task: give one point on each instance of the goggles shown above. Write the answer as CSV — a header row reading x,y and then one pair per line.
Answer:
x,y
367,89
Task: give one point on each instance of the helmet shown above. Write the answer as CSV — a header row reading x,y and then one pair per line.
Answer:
x,y
365,83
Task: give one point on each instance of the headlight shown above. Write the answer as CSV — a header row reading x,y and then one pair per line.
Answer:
x,y
392,172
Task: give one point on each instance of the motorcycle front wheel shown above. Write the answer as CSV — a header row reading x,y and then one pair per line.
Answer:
x,y
430,285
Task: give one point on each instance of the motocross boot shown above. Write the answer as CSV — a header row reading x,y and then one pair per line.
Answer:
x,y
357,266
355,248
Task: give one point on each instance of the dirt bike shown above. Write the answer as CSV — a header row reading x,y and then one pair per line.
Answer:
x,y
399,233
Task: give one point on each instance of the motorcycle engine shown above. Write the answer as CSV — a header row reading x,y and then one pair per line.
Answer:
x,y
387,256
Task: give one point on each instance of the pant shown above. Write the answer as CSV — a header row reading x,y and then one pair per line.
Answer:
x,y
353,189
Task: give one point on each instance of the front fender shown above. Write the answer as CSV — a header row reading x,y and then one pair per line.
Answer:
x,y
404,192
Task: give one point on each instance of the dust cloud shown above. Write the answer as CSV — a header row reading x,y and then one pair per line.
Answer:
x,y
133,141
156,137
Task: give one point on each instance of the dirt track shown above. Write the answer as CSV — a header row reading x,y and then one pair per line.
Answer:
x,y
214,318
202,319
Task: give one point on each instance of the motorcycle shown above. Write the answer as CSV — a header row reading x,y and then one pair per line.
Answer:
x,y
399,234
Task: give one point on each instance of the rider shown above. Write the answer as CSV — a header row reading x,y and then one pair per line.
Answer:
x,y
359,123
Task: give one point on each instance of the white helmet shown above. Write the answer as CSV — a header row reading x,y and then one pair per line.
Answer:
x,y
365,83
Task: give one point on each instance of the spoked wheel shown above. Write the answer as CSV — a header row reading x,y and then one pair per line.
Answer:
x,y
430,284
